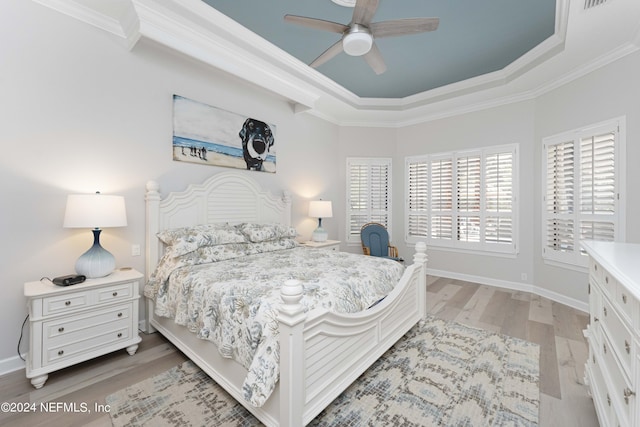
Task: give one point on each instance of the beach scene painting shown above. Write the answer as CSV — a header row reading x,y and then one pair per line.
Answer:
x,y
208,135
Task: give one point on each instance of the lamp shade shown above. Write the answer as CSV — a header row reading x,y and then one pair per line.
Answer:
x,y
94,211
320,209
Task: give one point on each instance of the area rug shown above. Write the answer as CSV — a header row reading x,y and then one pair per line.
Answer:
x,y
439,374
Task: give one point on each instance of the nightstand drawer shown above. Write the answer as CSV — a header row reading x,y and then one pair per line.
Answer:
x,y
122,291
69,328
100,336
65,303
71,302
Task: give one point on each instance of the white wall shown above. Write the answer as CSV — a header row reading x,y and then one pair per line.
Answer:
x,y
604,94
497,126
82,113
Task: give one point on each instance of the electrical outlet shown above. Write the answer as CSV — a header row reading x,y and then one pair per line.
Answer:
x,y
135,250
523,277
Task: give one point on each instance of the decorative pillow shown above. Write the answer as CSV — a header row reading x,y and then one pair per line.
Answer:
x,y
265,232
181,241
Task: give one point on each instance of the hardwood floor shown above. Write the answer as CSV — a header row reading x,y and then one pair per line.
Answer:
x,y
564,400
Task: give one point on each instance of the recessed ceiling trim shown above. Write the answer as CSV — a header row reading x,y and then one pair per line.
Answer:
x,y
194,29
178,26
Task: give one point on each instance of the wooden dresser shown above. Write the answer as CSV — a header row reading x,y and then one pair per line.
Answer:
x,y
613,368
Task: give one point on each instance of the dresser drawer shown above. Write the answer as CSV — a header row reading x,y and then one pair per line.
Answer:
x,y
622,394
75,301
626,302
619,335
599,390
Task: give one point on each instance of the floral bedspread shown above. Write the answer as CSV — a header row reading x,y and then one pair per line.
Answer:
x,y
234,302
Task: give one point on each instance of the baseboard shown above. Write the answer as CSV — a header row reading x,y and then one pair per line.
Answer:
x,y
12,364
516,286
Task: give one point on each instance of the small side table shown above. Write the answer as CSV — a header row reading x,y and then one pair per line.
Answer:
x,y
71,324
331,245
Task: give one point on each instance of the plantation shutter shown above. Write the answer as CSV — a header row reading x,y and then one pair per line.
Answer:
x,y
441,198
463,199
559,227
499,197
417,199
582,191
597,187
368,193
468,198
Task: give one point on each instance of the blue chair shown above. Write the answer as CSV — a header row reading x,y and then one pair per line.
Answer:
x,y
375,242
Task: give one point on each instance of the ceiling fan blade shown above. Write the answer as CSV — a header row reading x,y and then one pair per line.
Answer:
x,y
375,60
363,11
333,50
318,24
400,27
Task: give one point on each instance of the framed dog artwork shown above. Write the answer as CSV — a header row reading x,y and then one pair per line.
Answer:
x,y
208,135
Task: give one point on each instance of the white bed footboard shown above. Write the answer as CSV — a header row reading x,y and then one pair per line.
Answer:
x,y
322,353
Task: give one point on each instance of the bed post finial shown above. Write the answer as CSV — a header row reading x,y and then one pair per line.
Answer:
x,y
421,254
291,321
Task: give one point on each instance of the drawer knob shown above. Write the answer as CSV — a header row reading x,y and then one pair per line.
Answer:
x,y
605,310
627,346
624,298
595,267
60,329
596,319
608,399
119,314
67,303
604,348
627,394
115,294
119,334
60,352
606,279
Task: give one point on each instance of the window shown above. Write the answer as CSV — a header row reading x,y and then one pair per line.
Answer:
x,y
582,190
368,194
463,200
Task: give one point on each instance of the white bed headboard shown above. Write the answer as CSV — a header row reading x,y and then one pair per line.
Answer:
x,y
225,197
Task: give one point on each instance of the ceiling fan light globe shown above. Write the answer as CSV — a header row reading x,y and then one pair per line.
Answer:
x,y
357,44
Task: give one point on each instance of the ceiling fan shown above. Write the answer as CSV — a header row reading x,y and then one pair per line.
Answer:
x,y
358,37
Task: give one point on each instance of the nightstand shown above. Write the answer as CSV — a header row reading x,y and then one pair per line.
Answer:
x,y
71,324
331,245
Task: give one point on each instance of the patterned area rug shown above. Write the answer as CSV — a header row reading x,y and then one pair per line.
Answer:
x,y
439,374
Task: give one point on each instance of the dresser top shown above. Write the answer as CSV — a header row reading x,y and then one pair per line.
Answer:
x,y
622,260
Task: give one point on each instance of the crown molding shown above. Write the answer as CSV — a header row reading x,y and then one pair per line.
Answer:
x,y
201,32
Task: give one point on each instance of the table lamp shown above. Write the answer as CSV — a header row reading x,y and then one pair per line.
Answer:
x,y
320,209
95,211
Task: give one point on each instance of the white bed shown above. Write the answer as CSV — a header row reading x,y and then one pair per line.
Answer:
x,y
321,353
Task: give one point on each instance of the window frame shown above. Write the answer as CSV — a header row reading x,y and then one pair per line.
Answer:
x,y
576,258
371,214
425,216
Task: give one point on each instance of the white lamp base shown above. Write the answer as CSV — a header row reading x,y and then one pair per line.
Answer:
x,y
319,235
97,261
